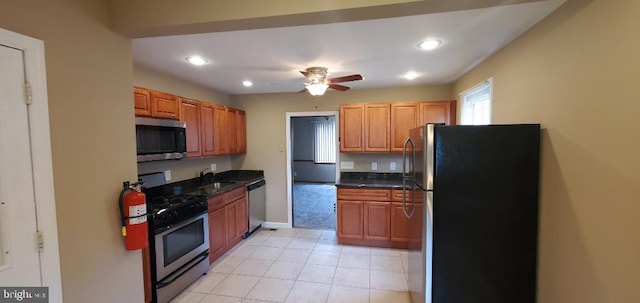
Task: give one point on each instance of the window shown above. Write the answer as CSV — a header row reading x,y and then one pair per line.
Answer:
x,y
325,145
476,104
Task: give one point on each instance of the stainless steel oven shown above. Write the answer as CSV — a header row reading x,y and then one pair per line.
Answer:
x,y
180,244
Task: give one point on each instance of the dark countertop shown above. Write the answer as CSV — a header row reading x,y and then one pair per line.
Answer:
x,y
216,188
370,180
226,181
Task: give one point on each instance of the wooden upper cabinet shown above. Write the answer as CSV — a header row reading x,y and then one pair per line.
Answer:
x,y
438,112
384,127
141,101
212,129
207,113
190,114
220,130
404,117
232,130
377,127
241,139
352,128
164,105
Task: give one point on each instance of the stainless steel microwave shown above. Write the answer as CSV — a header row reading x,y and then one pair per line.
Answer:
x,y
160,139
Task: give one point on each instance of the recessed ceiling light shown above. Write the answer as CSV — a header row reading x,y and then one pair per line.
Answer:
x,y
429,44
197,60
247,83
410,75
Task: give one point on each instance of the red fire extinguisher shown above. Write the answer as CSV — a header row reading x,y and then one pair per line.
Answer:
x,y
133,214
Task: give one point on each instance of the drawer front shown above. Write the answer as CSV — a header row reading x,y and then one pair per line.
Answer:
x,y
235,194
362,194
396,195
215,202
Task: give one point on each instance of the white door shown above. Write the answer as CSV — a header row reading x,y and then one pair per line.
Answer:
x,y
19,253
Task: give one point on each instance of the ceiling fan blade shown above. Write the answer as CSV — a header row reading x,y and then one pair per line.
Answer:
x,y
338,87
346,78
306,74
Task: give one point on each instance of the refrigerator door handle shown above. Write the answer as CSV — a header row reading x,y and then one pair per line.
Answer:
x,y
410,177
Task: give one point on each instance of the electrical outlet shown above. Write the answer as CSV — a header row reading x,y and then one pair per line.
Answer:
x,y
392,165
346,164
213,167
167,175
374,165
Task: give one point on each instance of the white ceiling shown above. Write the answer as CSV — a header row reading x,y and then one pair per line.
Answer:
x,y
380,50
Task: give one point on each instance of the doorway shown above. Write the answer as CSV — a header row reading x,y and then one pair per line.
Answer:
x,y
312,155
27,206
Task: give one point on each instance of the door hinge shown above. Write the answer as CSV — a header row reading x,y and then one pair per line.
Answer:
x,y
28,98
39,241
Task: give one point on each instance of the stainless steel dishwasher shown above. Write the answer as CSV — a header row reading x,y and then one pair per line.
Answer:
x,y
257,205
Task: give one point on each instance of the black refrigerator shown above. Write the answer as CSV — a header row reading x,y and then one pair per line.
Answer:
x,y
478,219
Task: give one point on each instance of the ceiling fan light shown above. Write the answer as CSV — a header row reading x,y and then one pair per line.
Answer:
x,y
317,89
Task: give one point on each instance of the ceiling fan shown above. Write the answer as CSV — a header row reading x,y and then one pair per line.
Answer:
x,y
318,82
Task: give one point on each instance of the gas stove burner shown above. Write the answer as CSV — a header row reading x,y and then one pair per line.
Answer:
x,y
167,211
165,202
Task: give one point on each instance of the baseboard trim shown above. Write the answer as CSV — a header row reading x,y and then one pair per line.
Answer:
x,y
275,225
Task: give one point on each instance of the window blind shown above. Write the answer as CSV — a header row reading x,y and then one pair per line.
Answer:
x,y
476,104
325,142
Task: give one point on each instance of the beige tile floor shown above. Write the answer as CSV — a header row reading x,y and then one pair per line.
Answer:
x,y
302,265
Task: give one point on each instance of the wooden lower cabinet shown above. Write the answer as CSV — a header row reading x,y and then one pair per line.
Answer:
x,y
228,221
377,220
365,217
146,274
217,236
236,218
350,219
374,217
405,229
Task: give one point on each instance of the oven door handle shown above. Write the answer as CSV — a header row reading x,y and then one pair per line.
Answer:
x,y
175,276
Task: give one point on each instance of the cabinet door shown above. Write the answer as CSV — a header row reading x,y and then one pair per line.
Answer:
x,y
377,122
242,218
220,137
404,116
164,105
350,219
352,128
217,234
230,223
146,274
141,101
404,229
190,114
376,220
438,112
242,132
232,130
207,134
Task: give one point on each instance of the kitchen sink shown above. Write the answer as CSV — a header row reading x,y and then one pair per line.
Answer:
x,y
217,185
